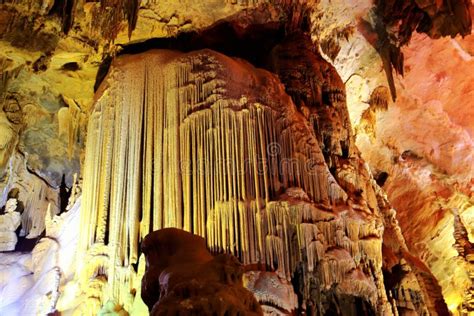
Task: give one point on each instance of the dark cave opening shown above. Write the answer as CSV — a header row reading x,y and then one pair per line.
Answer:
x,y
381,178
64,195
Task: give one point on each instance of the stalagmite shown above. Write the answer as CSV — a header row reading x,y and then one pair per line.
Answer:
x,y
70,120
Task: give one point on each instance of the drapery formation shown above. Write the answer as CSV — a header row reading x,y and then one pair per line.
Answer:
x,y
214,146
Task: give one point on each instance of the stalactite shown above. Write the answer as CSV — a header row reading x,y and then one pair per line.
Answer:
x,y
70,120
109,15
172,144
378,102
465,250
34,193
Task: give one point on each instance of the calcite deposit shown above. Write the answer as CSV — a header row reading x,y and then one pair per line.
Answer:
x,y
231,183
320,150
9,222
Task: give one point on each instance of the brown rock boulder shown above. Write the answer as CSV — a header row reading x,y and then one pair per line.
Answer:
x,y
183,278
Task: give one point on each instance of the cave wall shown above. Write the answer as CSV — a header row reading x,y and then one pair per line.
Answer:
x,y
421,144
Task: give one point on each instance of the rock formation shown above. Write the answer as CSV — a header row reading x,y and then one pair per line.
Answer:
x,y
273,201
32,282
276,130
428,175
275,294
9,222
233,182
182,277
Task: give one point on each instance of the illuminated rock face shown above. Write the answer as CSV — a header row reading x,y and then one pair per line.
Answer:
x,y
419,148
34,194
215,146
276,295
9,222
423,142
35,283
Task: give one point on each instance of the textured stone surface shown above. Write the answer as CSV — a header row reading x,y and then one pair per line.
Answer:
x,y
33,192
419,148
9,223
421,145
276,295
30,283
337,221
183,277
424,143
